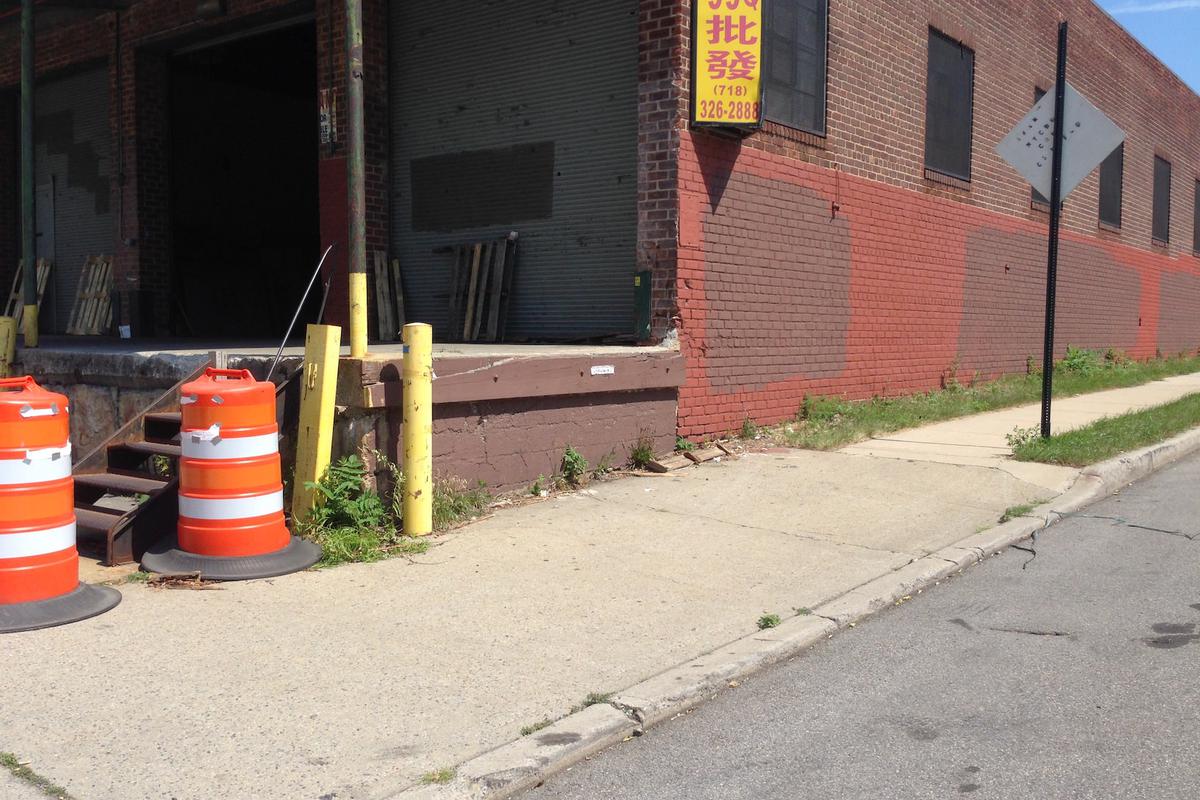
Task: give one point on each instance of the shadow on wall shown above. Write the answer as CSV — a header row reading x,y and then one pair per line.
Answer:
x,y
717,154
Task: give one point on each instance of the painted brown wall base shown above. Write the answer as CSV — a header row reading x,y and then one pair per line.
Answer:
x,y
507,419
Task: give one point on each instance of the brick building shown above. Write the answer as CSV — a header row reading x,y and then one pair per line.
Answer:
x,y
866,241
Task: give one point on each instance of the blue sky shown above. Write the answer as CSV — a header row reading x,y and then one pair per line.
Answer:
x,y
1168,28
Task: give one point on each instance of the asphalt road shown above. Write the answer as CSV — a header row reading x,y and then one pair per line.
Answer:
x,y
1074,673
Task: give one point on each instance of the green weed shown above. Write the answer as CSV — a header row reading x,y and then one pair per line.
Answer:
x,y
574,466
769,621
1019,436
642,452
22,772
443,775
1018,511
535,727
592,699
683,445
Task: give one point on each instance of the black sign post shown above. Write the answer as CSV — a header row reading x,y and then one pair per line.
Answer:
x,y
1060,95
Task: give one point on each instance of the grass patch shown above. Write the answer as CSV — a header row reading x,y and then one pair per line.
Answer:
x,y
1112,436
535,727
826,423
23,773
443,775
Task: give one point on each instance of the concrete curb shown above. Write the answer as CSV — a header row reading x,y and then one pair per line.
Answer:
x,y
527,762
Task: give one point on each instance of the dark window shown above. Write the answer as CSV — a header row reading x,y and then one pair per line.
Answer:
x,y
1162,200
1112,179
1196,221
1037,196
795,64
948,107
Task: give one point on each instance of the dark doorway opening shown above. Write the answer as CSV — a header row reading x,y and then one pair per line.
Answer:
x,y
244,194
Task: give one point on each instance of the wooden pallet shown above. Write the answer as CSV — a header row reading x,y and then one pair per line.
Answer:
x,y
16,298
480,284
92,312
389,297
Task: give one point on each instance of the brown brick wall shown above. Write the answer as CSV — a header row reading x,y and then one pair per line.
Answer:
x,y
148,30
662,102
778,229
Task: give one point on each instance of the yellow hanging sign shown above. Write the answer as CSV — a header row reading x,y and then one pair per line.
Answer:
x,y
727,44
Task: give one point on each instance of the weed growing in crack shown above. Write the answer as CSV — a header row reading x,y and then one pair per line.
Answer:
x,y
769,621
443,775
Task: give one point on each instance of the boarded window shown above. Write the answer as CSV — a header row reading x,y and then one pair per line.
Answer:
x,y
1196,221
479,188
1112,172
948,106
1162,200
794,78
1035,195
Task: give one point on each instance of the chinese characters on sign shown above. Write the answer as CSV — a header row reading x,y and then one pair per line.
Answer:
x,y
727,65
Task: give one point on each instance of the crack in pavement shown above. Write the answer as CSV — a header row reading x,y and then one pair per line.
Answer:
x,y
1122,522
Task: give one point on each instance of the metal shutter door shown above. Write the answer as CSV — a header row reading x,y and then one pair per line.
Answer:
x,y
73,156
471,77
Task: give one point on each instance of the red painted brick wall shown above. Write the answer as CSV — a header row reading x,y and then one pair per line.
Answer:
x,y
833,265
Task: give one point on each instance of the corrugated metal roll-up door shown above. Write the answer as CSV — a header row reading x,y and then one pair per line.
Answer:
x,y
519,116
73,161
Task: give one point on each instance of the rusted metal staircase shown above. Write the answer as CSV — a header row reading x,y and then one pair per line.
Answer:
x,y
126,489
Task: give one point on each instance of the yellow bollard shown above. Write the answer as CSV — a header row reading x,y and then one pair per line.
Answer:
x,y
358,314
8,345
29,321
315,441
418,429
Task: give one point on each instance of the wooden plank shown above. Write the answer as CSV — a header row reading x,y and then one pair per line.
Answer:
x,y
91,304
383,299
314,441
455,292
398,292
105,298
80,293
668,463
14,296
702,454
481,300
476,252
493,323
506,289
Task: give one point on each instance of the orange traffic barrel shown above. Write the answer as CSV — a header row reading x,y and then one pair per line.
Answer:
x,y
39,566
231,523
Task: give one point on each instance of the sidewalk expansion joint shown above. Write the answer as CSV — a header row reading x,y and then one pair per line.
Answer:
x,y
809,536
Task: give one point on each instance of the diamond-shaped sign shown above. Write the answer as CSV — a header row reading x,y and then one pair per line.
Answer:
x,y
1088,138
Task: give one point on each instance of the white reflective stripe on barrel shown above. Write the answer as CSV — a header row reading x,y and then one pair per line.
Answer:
x,y
196,444
37,543
230,508
38,466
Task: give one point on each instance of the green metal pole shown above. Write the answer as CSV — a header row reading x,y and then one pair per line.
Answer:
x,y
28,233
356,177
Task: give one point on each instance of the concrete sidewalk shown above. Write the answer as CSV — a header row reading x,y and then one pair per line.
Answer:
x,y
355,681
